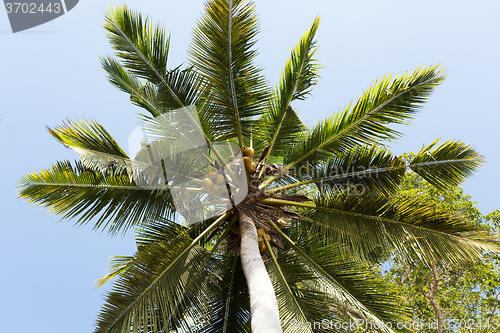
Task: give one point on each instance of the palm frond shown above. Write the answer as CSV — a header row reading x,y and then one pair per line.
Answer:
x,y
160,231
374,169
289,303
335,287
151,295
95,146
374,301
115,200
362,169
448,164
231,306
117,266
142,95
158,98
222,52
285,128
142,47
187,85
88,135
168,286
390,101
281,124
368,224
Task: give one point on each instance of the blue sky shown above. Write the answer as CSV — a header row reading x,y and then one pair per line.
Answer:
x,y
52,73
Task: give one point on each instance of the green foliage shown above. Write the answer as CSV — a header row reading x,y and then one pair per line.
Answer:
x,y
87,135
170,273
115,201
222,51
367,222
280,126
142,47
469,293
355,287
390,101
461,161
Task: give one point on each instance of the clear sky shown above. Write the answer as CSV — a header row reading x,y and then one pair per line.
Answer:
x,y
52,73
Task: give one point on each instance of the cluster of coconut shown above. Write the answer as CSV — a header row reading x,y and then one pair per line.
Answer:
x,y
261,232
250,166
215,182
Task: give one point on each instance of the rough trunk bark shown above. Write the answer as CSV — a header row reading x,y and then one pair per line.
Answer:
x,y
263,305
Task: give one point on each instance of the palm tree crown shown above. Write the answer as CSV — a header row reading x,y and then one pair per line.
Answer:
x,y
320,204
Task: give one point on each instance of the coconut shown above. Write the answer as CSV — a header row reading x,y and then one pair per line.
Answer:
x,y
281,223
260,232
262,247
219,179
235,229
207,182
247,160
249,152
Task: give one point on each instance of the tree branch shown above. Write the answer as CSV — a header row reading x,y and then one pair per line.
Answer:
x,y
406,273
431,296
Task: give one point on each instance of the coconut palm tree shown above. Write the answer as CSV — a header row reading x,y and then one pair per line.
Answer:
x,y
297,252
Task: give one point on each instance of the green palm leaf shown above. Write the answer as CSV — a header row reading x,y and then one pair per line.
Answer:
x,y
230,307
361,169
167,286
289,303
222,52
142,95
145,235
390,101
322,273
157,99
375,304
116,201
448,164
95,146
374,169
142,47
117,265
87,135
367,224
187,85
281,124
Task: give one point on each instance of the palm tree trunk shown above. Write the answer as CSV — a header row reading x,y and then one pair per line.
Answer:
x,y
263,305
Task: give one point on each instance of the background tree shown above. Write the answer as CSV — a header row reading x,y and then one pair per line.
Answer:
x,y
454,298
321,198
